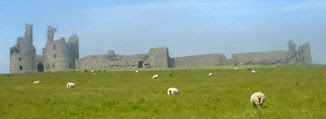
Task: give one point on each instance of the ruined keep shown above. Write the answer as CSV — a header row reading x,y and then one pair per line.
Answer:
x,y
23,54
62,55
58,55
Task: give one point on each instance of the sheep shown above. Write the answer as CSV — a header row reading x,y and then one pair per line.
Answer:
x,y
156,76
257,99
36,82
253,72
93,71
173,91
235,68
210,74
71,85
136,71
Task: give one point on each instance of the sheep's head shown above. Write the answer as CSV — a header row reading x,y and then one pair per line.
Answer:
x,y
170,92
259,98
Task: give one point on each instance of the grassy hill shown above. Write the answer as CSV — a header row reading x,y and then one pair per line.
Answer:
x,y
292,91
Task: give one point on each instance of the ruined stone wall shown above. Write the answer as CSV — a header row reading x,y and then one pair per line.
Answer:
x,y
111,60
292,49
198,61
159,57
39,63
73,43
304,54
22,55
228,62
39,59
60,55
264,58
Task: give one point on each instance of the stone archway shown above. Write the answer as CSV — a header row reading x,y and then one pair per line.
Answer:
x,y
40,67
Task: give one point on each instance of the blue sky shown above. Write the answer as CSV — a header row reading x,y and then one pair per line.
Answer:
x,y
186,27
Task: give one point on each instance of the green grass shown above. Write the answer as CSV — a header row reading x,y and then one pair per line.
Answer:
x,y
292,91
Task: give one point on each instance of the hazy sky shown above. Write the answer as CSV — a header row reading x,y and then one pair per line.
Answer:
x,y
186,27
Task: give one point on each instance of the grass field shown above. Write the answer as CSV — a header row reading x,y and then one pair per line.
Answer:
x,y
292,91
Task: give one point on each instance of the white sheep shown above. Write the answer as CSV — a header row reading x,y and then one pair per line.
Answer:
x,y
253,72
257,99
36,82
156,76
71,85
235,68
173,91
93,71
210,74
136,71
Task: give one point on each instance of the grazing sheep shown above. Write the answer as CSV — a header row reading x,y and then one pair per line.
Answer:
x,y
136,71
172,91
235,68
93,71
156,76
253,72
210,74
257,99
36,82
71,85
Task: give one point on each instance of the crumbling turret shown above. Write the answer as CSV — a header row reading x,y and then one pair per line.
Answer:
x,y
60,55
304,54
22,55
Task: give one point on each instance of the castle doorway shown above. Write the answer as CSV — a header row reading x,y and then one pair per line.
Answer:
x,y
40,67
141,64
20,67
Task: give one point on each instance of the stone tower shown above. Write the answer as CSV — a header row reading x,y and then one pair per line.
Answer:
x,y
159,57
292,46
293,52
60,55
304,54
22,55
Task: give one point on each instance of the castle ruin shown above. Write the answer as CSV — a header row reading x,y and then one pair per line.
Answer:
x,y
58,55
62,55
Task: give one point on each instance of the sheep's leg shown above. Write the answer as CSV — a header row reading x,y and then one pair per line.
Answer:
x,y
254,105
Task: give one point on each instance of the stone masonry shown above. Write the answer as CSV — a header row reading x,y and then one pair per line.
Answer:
x,y
62,55
58,55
